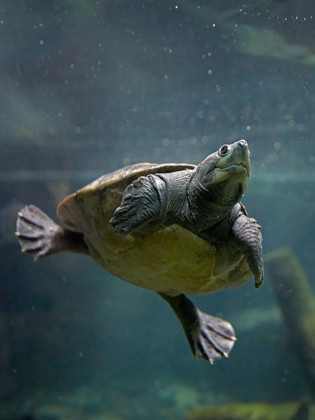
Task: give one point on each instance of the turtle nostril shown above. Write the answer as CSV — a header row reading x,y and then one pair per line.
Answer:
x,y
243,143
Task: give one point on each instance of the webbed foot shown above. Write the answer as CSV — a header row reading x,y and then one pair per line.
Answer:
x,y
212,338
245,235
125,218
36,232
140,204
209,337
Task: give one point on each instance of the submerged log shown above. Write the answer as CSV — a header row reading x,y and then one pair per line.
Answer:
x,y
297,304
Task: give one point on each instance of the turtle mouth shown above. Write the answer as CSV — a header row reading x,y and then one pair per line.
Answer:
x,y
237,167
246,166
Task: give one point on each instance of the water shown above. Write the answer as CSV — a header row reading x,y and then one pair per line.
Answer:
x,y
88,87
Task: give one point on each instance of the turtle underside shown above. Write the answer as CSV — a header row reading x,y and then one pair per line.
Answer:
x,y
171,260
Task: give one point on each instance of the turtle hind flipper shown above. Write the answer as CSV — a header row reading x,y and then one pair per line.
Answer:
x,y
37,233
212,339
209,337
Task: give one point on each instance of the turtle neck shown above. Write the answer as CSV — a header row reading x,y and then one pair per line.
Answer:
x,y
206,208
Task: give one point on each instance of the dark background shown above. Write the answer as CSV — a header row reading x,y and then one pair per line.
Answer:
x,y
90,86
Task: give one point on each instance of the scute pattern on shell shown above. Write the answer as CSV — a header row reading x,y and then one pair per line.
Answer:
x,y
117,180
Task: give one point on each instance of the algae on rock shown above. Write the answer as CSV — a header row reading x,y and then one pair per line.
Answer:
x,y
254,411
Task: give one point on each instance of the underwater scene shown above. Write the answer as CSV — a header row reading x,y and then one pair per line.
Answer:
x,y
161,154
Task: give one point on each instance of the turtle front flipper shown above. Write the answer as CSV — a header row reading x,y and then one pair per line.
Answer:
x,y
209,337
245,235
141,203
40,236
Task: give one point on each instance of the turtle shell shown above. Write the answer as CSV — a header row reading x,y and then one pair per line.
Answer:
x,y
171,260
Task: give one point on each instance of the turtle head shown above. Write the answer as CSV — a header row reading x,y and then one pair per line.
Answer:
x,y
221,179
229,165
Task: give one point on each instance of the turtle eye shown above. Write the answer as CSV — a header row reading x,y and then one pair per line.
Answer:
x,y
224,150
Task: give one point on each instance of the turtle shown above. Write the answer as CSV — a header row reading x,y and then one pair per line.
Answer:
x,y
176,229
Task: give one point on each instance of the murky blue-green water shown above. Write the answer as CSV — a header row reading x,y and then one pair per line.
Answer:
x,y
90,86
